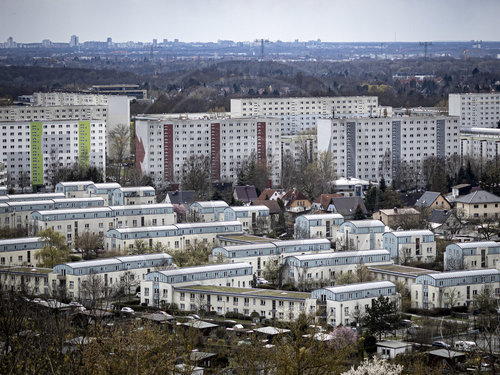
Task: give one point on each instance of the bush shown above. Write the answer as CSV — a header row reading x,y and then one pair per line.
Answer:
x,y
235,315
433,312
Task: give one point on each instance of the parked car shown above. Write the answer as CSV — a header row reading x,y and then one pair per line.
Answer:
x,y
193,316
261,280
406,323
127,310
160,312
138,294
441,344
465,345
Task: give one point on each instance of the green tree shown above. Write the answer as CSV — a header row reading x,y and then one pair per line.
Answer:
x,y
382,316
55,250
359,213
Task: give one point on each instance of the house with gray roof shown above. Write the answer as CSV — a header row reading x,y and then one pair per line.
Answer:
x,y
432,200
478,205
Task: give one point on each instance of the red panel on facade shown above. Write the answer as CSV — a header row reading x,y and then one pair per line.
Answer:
x,y
168,152
215,150
261,141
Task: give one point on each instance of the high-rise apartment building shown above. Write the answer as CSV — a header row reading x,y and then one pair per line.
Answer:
x,y
480,143
35,139
301,114
476,110
372,148
163,144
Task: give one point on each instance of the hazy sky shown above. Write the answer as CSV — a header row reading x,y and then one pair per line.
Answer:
x,y
240,20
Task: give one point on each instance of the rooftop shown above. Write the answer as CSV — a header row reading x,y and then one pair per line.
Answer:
x,y
400,211
341,254
406,233
206,268
249,208
258,292
454,274
212,204
427,199
76,183
360,286
473,245
323,216
401,270
367,223
479,196
32,270
137,188
22,240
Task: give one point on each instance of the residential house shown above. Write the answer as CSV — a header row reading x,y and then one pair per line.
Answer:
x,y
445,223
391,349
347,303
360,235
397,273
478,205
181,197
296,202
410,246
246,194
318,226
20,251
352,187
271,194
274,209
432,200
320,204
126,196
472,255
73,189
103,190
450,289
398,217
346,206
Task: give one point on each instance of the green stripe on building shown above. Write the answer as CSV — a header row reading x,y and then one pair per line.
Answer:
x,y
83,143
36,131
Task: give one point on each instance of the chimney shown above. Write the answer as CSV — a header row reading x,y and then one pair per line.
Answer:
x,y
395,210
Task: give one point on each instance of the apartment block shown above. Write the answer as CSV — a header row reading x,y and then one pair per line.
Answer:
x,y
208,211
318,226
449,289
300,115
268,303
158,287
472,255
164,144
347,303
36,139
476,110
410,245
361,235
255,219
20,251
312,270
398,273
480,143
258,254
372,148
176,236
77,279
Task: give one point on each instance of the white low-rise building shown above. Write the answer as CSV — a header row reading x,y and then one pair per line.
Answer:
x,y
312,270
259,254
361,235
208,210
104,277
158,287
175,236
472,255
20,251
255,219
450,289
347,303
318,226
410,245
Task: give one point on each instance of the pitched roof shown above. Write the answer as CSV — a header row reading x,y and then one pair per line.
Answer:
x,y
182,196
266,193
274,207
360,286
427,199
400,211
294,195
439,216
325,199
245,193
346,206
479,196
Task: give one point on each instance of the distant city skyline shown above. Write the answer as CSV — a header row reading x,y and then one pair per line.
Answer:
x,y
210,20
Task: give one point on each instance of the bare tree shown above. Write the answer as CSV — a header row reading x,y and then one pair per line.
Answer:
x,y
89,244
196,175
119,145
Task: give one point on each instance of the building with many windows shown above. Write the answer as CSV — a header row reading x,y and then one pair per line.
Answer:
x,y
472,255
361,235
318,226
255,219
208,210
482,144
164,144
477,110
35,140
372,148
20,251
449,289
408,246
347,303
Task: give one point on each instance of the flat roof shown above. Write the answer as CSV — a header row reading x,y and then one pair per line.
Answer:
x,y
406,233
448,275
76,183
340,254
473,245
323,216
141,206
394,344
107,185
33,270
15,241
114,260
311,241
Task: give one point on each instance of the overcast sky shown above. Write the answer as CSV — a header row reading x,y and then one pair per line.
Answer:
x,y
243,20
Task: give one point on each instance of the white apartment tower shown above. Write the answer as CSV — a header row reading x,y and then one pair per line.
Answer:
x,y
476,110
163,144
372,148
480,143
301,114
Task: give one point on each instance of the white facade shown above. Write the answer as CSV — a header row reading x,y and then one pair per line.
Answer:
x,y
347,303
164,144
450,289
472,255
158,287
20,251
361,235
299,147
410,245
476,110
302,114
373,148
318,226
480,143
255,219
34,139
